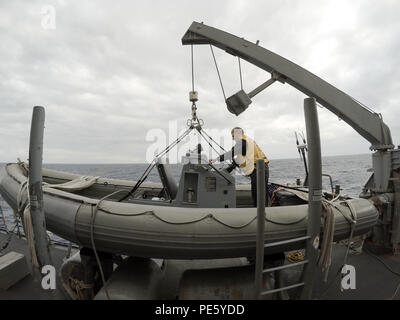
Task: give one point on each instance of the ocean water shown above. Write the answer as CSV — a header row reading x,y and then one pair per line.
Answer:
x,y
350,172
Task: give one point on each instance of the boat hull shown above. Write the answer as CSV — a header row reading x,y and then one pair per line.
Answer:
x,y
172,232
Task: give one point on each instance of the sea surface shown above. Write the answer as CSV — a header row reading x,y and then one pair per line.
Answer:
x,y
350,172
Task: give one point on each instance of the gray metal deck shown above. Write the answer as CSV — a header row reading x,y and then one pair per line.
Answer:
x,y
30,288
373,279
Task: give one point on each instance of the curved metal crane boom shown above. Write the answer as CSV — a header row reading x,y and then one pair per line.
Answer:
x,y
368,124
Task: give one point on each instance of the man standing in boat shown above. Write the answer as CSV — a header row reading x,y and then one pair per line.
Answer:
x,y
244,154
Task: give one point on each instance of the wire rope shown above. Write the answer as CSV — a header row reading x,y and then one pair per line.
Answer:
x,y
240,74
192,67
153,164
219,75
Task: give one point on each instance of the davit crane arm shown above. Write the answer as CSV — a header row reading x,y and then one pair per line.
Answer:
x,y
368,124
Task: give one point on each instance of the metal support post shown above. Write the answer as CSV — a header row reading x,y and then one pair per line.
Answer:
x,y
258,281
314,195
35,187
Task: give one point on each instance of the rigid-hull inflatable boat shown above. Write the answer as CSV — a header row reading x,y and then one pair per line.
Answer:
x,y
149,226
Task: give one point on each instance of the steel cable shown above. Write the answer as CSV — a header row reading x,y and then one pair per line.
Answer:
x,y
192,68
240,74
153,164
219,76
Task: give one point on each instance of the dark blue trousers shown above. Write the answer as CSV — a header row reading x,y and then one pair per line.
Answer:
x,y
253,177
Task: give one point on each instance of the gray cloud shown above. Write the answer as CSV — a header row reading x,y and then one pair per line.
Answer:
x,y
112,71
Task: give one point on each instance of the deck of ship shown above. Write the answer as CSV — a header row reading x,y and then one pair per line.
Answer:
x,y
377,277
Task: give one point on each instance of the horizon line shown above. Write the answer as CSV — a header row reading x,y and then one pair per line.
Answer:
x,y
130,163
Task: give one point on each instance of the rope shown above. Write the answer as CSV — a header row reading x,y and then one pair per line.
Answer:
x,y
210,215
24,210
388,268
374,256
93,218
383,262
30,236
78,286
352,225
219,76
325,258
302,195
295,256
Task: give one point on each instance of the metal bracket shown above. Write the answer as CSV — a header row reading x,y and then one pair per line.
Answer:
x,y
241,100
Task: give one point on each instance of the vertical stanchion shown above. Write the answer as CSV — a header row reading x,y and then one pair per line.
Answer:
x,y
314,195
258,281
35,187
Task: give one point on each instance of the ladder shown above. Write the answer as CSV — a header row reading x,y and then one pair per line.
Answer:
x,y
311,240
262,272
311,256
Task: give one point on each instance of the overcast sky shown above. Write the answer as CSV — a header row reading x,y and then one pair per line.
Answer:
x,y
112,73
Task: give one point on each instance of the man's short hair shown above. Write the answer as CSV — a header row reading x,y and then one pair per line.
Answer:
x,y
235,129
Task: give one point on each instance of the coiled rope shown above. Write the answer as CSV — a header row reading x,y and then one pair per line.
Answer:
x,y
78,286
325,257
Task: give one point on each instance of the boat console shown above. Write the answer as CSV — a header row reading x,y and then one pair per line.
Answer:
x,y
201,184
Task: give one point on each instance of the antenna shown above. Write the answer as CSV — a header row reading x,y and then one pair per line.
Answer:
x,y
302,149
